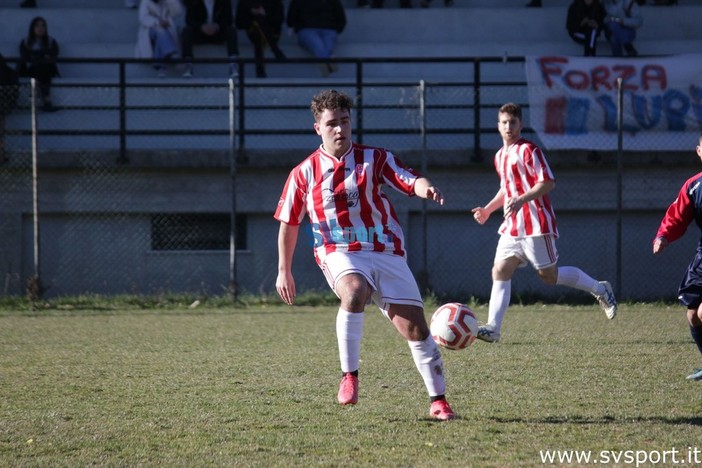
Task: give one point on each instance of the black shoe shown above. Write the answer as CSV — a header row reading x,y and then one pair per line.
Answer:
x,y
279,54
448,2
631,50
405,4
49,107
261,72
534,3
363,4
28,4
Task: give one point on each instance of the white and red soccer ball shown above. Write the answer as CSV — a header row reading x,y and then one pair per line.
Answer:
x,y
454,326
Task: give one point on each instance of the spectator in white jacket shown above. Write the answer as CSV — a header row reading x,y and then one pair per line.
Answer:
x,y
158,32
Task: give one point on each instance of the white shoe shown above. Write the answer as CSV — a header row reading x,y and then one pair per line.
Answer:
x,y
607,300
188,73
488,334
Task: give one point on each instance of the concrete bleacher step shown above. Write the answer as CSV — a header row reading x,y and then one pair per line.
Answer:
x,y
472,28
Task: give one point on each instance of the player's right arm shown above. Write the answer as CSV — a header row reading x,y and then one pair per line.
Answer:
x,y
285,283
482,213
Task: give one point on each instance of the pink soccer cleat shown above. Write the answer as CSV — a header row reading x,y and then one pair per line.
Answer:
x,y
441,410
348,390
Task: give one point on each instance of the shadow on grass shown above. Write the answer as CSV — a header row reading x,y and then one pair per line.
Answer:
x,y
687,421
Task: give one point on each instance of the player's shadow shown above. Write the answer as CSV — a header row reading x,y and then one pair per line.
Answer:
x,y
691,421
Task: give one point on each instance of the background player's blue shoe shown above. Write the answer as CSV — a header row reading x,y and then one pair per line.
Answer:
x,y
696,375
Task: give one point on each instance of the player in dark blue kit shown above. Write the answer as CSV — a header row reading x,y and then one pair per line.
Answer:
x,y
686,208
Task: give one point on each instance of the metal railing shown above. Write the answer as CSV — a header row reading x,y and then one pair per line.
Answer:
x,y
466,76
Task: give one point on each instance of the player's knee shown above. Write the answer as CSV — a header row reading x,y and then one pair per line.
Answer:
x,y
694,316
548,277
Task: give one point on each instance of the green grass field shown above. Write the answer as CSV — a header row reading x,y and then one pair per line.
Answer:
x,y
256,386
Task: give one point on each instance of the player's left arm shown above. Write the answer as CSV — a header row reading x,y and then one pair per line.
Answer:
x,y
538,190
677,218
424,188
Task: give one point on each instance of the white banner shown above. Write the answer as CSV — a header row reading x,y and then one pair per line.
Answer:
x,y
573,102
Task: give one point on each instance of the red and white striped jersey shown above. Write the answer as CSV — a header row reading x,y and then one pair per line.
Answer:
x,y
344,200
520,167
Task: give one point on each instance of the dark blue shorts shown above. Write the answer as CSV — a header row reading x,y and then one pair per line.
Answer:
x,y
690,290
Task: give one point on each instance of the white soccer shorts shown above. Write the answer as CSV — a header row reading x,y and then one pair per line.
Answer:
x,y
540,251
388,275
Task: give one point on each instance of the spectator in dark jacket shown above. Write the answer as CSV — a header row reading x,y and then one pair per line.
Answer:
x,y
209,21
39,52
584,24
317,24
262,20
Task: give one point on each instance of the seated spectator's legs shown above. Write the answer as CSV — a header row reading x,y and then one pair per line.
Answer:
x,y
187,37
258,39
320,43
162,42
191,36
232,41
316,41
329,38
588,39
618,37
43,73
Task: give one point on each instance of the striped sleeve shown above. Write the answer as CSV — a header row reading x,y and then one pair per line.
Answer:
x,y
291,205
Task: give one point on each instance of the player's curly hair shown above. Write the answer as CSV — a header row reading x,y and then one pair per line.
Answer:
x,y
330,99
512,109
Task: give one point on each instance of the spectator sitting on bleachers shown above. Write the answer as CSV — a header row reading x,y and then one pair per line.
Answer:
x,y
38,52
262,20
318,24
209,21
158,33
622,20
584,23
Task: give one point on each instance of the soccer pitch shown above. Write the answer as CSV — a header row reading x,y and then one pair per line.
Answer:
x,y
257,387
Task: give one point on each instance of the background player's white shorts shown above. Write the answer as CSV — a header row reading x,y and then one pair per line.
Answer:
x,y
540,251
389,276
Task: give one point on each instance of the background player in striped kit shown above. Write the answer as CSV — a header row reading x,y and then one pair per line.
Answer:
x,y
358,243
528,231
687,207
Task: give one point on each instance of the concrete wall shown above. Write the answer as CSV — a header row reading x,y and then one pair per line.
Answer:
x,y
95,230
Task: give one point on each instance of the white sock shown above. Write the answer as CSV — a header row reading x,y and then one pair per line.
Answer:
x,y
500,296
576,278
428,360
349,331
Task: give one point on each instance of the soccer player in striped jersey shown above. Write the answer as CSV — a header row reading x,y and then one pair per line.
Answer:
x,y
358,242
687,207
528,231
